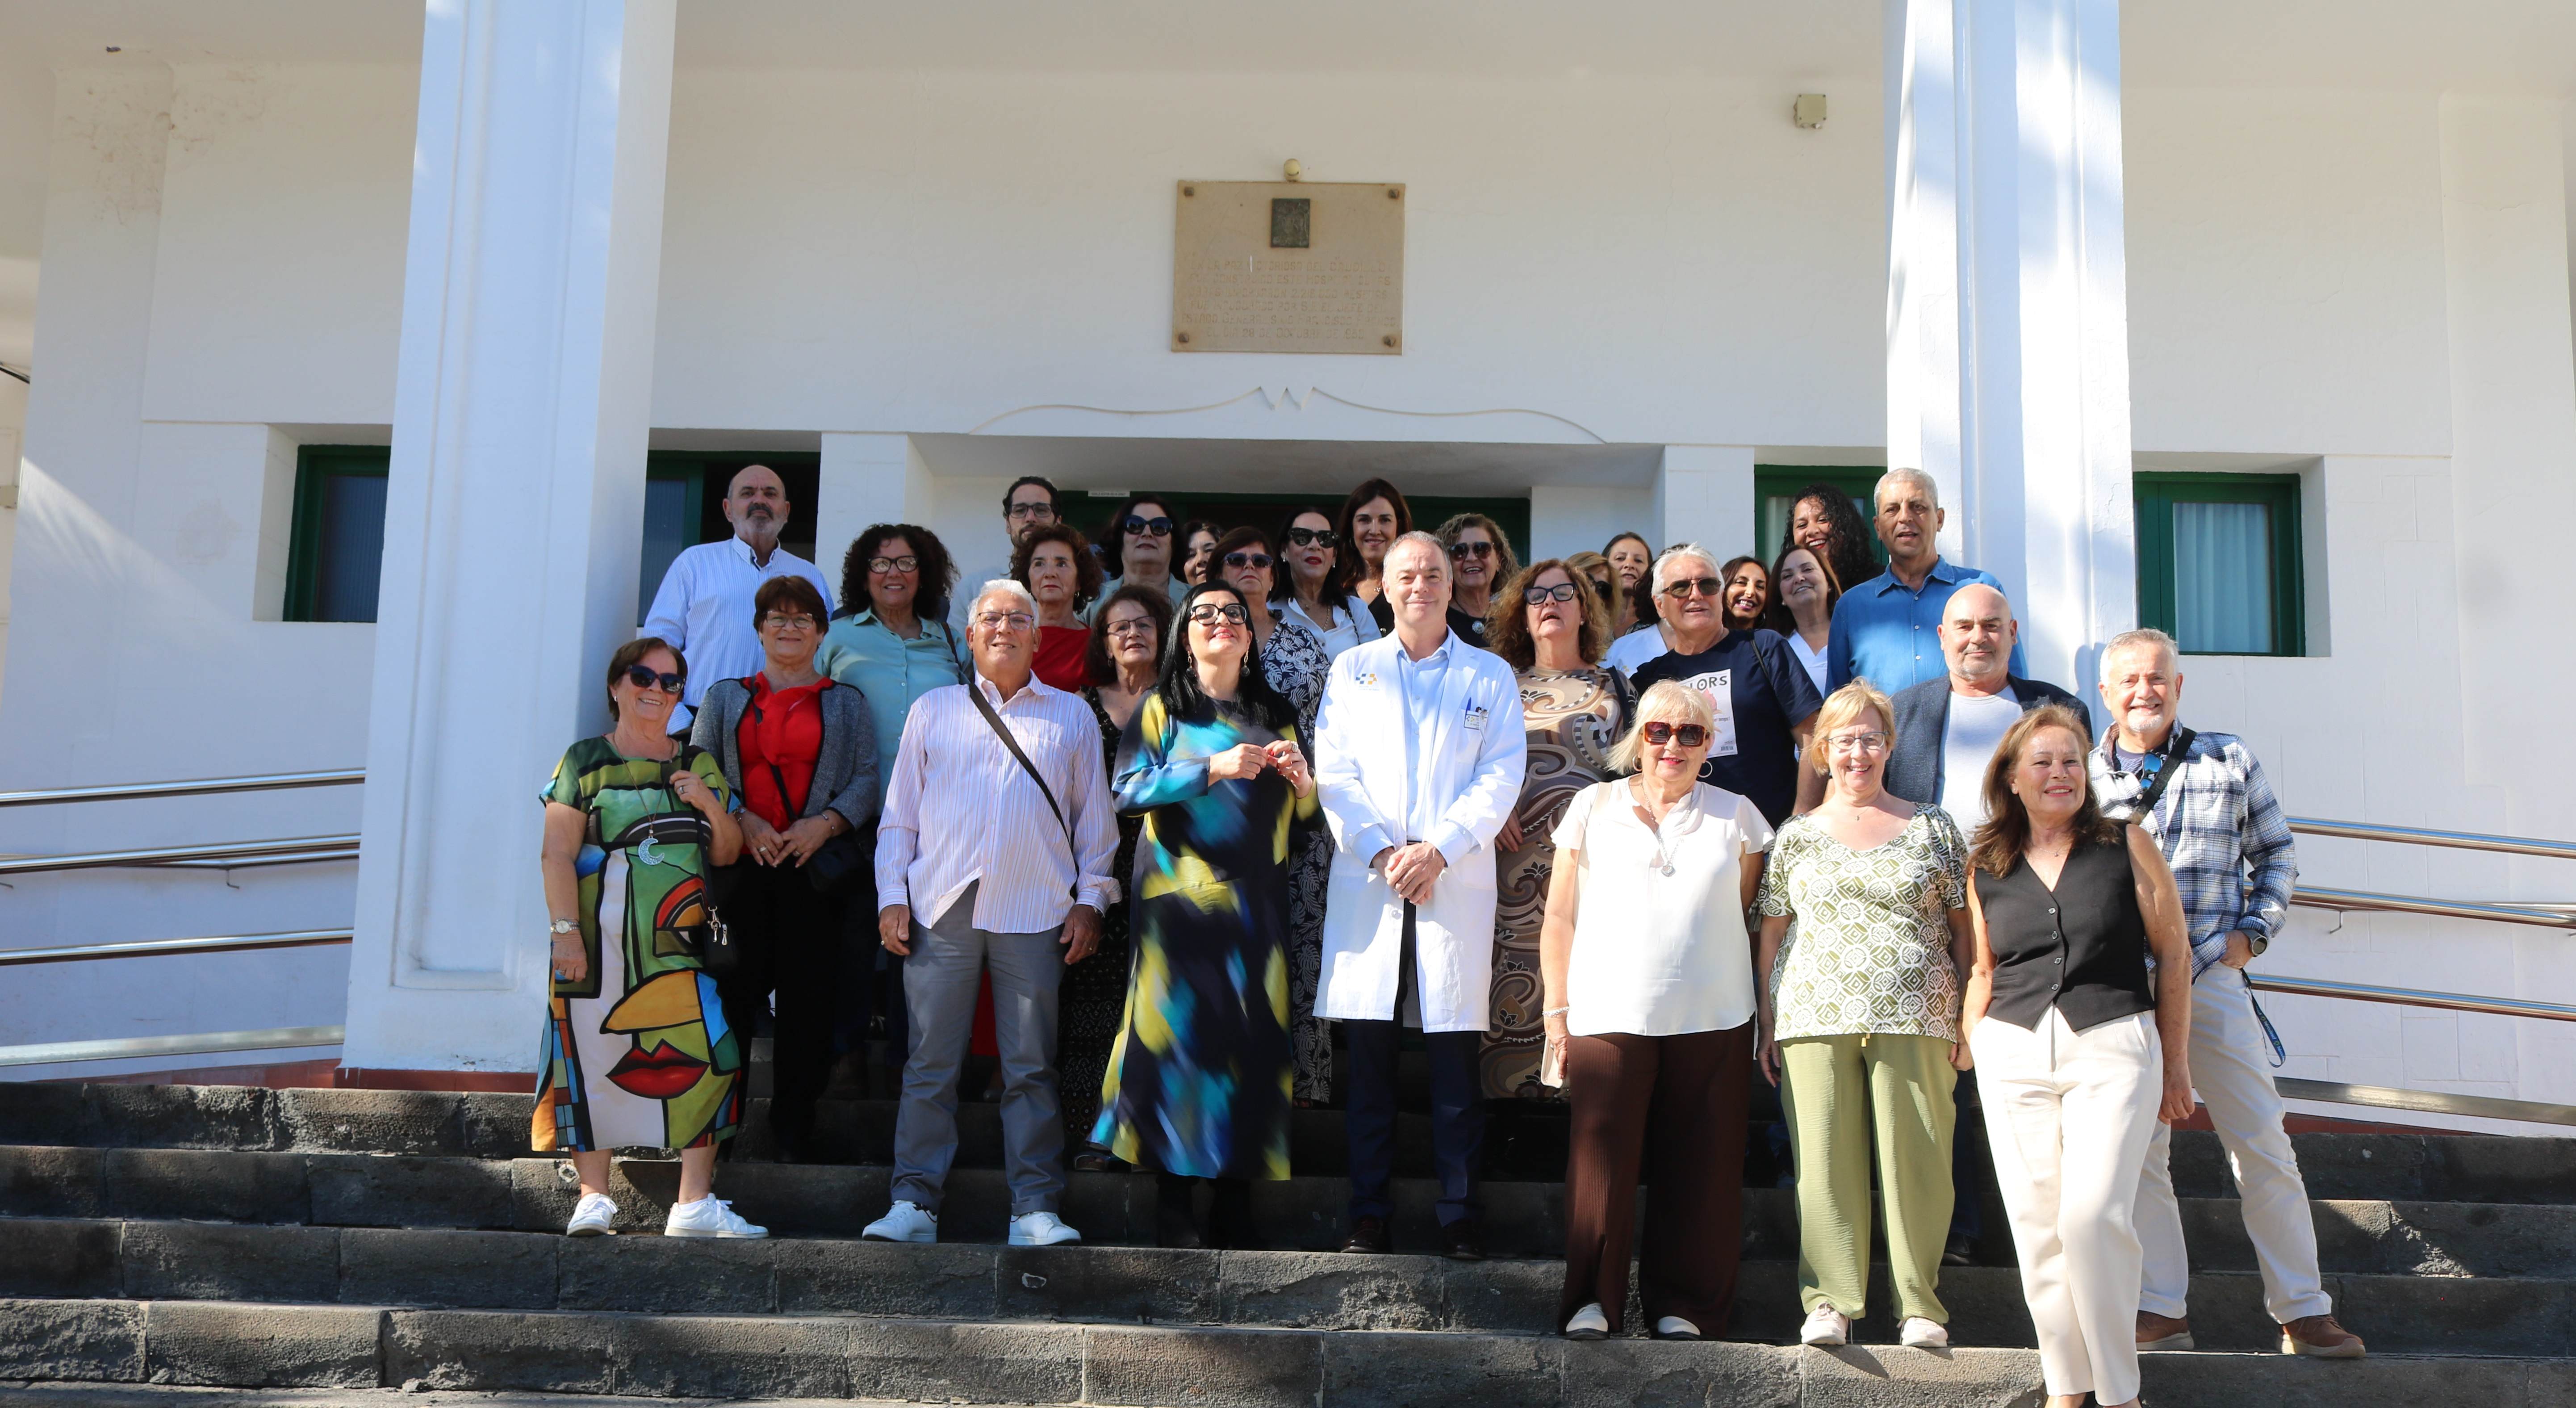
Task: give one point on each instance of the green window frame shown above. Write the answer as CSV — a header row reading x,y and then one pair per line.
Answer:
x,y
1775,490
313,548
2161,593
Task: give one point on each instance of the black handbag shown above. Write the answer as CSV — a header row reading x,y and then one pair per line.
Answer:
x,y
719,956
836,863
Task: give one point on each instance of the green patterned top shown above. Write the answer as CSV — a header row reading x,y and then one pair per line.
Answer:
x,y
1869,946
627,805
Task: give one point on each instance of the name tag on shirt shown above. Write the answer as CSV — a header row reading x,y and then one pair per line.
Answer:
x,y
1720,689
1477,714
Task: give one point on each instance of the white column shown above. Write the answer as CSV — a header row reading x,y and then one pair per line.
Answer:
x,y
515,504
1704,495
867,478
2007,312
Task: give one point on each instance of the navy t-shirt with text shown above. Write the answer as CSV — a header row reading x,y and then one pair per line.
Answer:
x,y
1759,691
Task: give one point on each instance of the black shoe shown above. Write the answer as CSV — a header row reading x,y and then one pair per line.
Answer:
x,y
1463,1240
1229,1223
1368,1236
1098,1161
1176,1222
1959,1252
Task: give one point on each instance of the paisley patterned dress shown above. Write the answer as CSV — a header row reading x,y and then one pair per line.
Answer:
x,y
1199,1079
1093,994
637,1052
1573,717
1296,664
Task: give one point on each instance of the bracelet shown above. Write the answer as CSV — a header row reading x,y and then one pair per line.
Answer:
x,y
1557,1011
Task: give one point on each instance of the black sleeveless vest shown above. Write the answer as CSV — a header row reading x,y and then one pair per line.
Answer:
x,y
2081,949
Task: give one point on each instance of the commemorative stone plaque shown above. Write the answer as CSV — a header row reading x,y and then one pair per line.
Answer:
x,y
1288,266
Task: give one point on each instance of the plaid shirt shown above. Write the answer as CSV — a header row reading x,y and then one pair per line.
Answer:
x,y
2217,821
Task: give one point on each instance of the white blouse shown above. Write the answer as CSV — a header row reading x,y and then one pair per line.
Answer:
x,y
1657,954
1351,625
1813,659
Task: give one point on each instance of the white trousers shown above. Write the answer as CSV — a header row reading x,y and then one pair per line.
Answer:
x,y
2068,1115
2231,1065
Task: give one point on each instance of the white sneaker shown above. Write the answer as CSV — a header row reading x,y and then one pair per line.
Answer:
x,y
709,1216
904,1222
1919,1333
1674,1327
594,1216
1041,1229
1826,1328
1588,1324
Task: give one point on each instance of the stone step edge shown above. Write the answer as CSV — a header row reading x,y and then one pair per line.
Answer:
x,y
222,1344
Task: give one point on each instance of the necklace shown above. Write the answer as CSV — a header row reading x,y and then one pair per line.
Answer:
x,y
1663,860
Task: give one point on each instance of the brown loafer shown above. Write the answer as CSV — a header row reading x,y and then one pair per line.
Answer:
x,y
2162,1332
2321,1336
1368,1236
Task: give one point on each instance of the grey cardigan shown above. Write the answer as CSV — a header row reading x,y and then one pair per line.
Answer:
x,y
1923,716
845,770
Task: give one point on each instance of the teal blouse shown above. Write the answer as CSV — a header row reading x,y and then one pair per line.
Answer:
x,y
892,672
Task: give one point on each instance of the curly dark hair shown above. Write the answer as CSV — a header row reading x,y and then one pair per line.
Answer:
x,y
1846,534
1086,564
1113,533
1180,682
1157,604
2006,833
1337,578
1507,620
938,570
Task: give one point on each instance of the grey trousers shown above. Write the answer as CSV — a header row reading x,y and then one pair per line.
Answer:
x,y
940,980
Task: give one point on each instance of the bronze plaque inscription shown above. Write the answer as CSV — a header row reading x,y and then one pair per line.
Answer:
x,y
1288,266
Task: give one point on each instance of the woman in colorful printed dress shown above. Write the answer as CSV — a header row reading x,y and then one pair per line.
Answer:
x,y
636,1049
1552,627
1860,1021
1126,649
1199,1083
1294,661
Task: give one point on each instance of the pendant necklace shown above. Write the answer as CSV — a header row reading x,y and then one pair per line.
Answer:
x,y
1663,856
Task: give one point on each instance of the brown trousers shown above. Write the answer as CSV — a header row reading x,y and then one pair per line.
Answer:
x,y
1671,1108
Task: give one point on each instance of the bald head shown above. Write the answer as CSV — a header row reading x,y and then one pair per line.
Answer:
x,y
755,503
1977,633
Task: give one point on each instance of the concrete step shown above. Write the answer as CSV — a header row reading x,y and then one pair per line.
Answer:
x,y
1524,1144
352,1348
78,1257
1300,1214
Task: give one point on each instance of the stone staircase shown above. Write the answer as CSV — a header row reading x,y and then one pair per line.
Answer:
x,y
319,1240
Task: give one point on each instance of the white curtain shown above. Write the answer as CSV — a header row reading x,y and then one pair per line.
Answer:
x,y
2223,578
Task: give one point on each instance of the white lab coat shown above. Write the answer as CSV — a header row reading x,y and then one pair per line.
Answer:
x,y
1472,763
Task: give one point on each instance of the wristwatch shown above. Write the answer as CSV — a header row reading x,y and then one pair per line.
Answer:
x,y
563,926
2256,943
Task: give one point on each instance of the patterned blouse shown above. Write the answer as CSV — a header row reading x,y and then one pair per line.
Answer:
x,y
1869,946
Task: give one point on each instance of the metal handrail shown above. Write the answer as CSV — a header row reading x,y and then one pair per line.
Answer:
x,y
2415,997
155,948
50,1053
2319,898
2420,836
2426,1102
118,792
302,848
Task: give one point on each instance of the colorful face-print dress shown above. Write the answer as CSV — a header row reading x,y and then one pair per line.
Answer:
x,y
637,1052
1199,1078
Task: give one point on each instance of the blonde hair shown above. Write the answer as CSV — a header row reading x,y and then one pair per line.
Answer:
x,y
1846,705
1662,699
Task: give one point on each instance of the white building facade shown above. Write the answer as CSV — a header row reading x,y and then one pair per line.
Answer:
x,y
2090,269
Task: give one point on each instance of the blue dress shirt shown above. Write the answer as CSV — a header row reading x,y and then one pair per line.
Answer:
x,y
1890,634
1419,682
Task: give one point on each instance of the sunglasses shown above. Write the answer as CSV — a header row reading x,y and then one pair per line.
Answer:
x,y
1210,613
1660,733
1159,527
643,678
1541,596
1247,559
1319,537
1683,587
1471,549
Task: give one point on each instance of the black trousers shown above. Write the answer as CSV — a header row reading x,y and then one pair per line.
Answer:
x,y
1457,1105
791,944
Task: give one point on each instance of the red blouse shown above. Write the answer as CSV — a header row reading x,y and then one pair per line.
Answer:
x,y
780,736
1060,664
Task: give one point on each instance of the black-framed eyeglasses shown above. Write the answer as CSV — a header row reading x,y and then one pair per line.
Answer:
x,y
1159,526
1471,549
642,678
776,622
1209,612
1248,559
1541,596
1682,587
1317,537
1031,509
894,564
1660,733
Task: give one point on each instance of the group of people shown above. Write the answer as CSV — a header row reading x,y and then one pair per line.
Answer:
x,y
1647,832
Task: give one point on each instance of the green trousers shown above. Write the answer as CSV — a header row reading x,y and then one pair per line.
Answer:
x,y
1842,1094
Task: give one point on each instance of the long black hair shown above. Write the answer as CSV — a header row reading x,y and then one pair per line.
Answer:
x,y
1180,683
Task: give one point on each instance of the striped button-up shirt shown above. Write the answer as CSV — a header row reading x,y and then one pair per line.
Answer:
x,y
959,809
2221,830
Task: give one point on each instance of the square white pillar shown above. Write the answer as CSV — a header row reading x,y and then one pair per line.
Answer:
x,y
1704,495
514,505
866,479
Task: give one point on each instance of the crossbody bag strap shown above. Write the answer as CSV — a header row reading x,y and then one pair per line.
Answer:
x,y
975,691
2175,752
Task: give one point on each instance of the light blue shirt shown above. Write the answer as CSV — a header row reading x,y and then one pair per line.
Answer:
x,y
890,671
1419,681
1890,634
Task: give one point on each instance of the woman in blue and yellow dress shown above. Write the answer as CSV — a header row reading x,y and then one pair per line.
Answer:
x,y
1199,1083
636,1049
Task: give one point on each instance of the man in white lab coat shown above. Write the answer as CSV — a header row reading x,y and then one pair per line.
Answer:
x,y
1418,752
